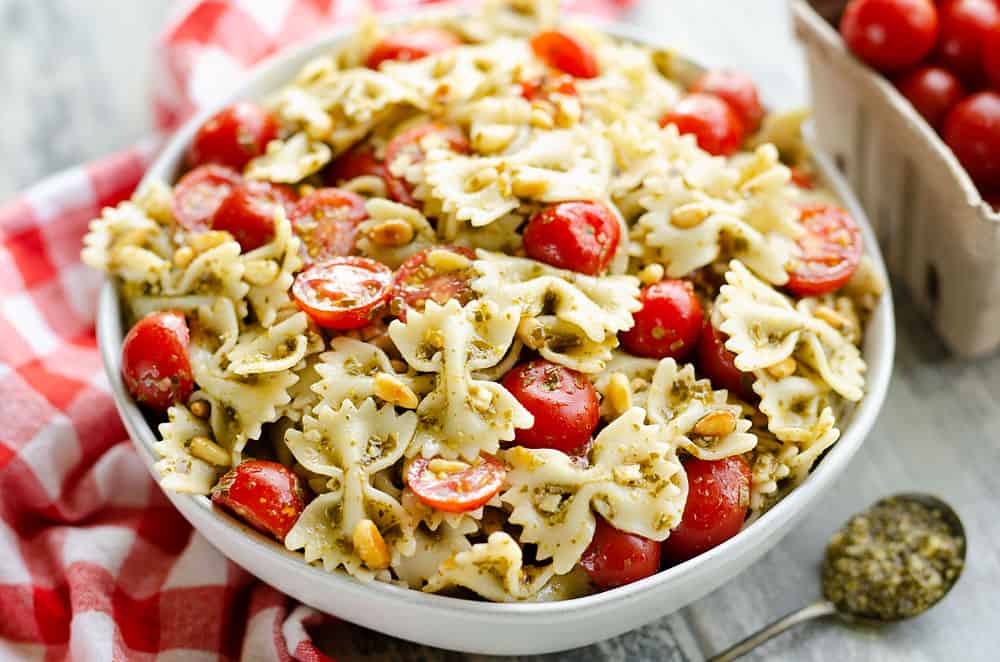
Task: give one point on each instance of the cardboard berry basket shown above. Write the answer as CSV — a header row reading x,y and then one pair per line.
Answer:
x,y
938,236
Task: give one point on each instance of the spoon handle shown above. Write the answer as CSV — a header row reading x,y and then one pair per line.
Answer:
x,y
807,613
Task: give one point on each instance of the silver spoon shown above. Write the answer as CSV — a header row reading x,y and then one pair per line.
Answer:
x,y
823,608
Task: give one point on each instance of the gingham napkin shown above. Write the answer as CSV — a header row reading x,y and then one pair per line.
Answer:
x,y
95,564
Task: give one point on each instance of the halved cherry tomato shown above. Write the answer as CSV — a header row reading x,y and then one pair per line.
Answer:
x,y
248,212
615,558
965,26
668,324
266,495
199,193
827,253
933,91
738,90
457,491
343,293
718,364
718,498
356,162
327,222
233,136
712,121
566,53
155,365
972,130
407,144
890,35
413,44
541,89
581,236
416,282
563,402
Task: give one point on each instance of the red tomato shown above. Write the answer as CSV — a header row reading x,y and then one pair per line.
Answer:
x,y
356,162
542,88
965,25
581,236
712,121
343,293
199,193
828,252
972,130
717,502
413,44
668,324
265,495
890,35
407,144
718,364
459,491
248,212
563,402
801,178
233,136
615,558
327,222
416,282
991,56
933,91
566,53
736,89
155,365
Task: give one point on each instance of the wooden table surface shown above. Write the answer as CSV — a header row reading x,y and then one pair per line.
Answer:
x,y
75,74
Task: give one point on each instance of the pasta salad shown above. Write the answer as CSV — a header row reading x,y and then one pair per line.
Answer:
x,y
492,306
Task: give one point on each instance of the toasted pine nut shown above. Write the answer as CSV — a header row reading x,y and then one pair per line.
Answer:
x,y
717,423
618,393
183,256
651,273
541,118
531,332
443,260
206,241
568,111
481,179
200,408
392,390
370,545
831,317
493,138
394,232
524,187
689,215
205,449
260,272
441,466
783,369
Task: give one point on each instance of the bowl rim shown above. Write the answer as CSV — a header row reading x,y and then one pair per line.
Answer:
x,y
877,353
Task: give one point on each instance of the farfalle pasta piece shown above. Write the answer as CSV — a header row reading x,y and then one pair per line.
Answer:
x,y
795,405
290,161
126,242
214,272
276,349
270,270
829,349
566,344
433,547
469,188
636,373
179,470
348,371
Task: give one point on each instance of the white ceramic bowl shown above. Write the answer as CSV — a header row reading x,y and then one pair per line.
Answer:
x,y
484,627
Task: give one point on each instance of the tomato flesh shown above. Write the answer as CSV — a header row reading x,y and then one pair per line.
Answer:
x,y
965,26
827,253
580,236
736,89
717,503
407,144
890,35
233,136
718,364
359,161
155,364
972,130
343,293
714,124
417,282
410,45
327,222
456,491
933,91
199,193
566,53
562,401
668,324
266,495
248,212
615,558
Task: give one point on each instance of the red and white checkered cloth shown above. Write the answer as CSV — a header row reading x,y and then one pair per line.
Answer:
x,y
95,564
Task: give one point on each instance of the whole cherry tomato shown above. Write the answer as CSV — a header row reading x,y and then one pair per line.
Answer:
x,y
155,364
248,212
615,558
408,144
199,193
265,495
413,44
566,53
991,56
890,35
563,402
417,281
343,293
717,503
828,252
965,25
456,491
358,161
972,130
718,364
736,89
233,136
933,91
327,222
668,324
712,121
580,236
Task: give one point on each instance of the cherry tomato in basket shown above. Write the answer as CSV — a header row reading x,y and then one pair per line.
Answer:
x,y
199,193
718,364
343,293
248,212
991,57
615,558
965,25
738,90
409,45
327,222
712,121
580,236
563,402
827,254
566,53
933,91
972,130
266,495
890,35
358,161
408,145
717,503
456,491
155,365
417,281
668,324
233,136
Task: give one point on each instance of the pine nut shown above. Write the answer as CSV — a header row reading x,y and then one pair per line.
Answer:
x,y
392,390
444,260
205,449
541,118
651,273
783,369
481,179
260,272
370,545
618,393
441,466
689,216
183,256
531,332
206,241
523,186
493,138
394,232
715,424
306,189
200,408
831,317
